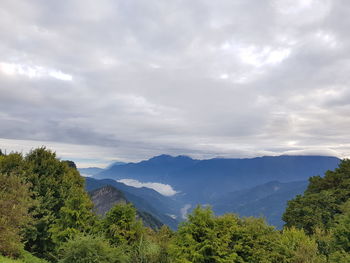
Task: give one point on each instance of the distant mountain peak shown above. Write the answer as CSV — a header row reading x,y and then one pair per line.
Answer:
x,y
115,164
167,157
161,157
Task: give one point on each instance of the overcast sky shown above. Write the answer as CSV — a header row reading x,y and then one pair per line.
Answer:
x,y
104,80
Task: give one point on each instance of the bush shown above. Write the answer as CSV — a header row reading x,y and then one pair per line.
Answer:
x,y
145,251
90,249
26,257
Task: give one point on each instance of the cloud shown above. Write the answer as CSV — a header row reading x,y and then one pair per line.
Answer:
x,y
133,79
33,71
184,211
163,189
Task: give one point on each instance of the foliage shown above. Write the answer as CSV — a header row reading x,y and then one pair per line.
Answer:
x,y
195,240
206,238
321,202
25,257
162,237
9,260
58,199
339,256
14,204
341,228
45,209
145,251
90,249
55,185
296,246
74,217
121,226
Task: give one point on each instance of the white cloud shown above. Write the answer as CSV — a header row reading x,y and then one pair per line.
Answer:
x,y
60,75
33,71
163,189
184,211
261,56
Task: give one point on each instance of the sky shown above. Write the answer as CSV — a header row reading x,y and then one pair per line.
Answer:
x,y
115,80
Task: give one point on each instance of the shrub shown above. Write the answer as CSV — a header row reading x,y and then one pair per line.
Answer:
x,y
90,249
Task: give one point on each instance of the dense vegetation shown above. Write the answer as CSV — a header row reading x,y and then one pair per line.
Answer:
x,y
46,216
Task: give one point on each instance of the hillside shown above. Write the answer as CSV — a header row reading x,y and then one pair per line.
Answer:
x,y
106,197
267,200
144,199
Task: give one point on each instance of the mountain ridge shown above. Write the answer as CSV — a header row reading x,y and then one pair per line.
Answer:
x,y
201,180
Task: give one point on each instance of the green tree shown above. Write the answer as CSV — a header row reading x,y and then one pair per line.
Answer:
x,y
13,163
339,256
255,241
296,247
58,190
14,204
75,216
341,228
321,201
195,240
60,206
121,226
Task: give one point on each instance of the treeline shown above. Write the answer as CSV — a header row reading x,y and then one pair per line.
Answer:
x,y
46,215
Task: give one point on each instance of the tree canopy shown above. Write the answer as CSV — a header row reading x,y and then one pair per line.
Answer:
x,y
45,210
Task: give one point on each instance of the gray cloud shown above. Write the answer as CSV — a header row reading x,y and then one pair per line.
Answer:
x,y
130,79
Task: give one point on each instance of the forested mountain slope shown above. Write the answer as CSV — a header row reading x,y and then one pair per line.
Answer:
x,y
144,199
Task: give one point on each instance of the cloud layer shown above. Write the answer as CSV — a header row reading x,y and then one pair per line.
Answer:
x,y
164,189
132,79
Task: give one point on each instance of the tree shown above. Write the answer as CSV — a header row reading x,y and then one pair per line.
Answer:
x,y
255,241
14,204
59,191
12,163
60,207
321,201
121,226
75,216
340,243
195,240
295,246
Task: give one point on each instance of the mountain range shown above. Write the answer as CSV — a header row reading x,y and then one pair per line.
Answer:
x,y
250,187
